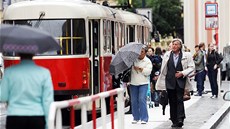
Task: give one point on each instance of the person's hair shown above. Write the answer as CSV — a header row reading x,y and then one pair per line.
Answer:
x,y
196,46
151,48
25,55
201,45
180,41
158,51
177,39
145,47
210,45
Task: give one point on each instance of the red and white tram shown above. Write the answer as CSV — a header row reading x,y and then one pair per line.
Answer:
x,y
87,32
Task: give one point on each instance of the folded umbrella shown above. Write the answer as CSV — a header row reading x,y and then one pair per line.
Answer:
x,y
164,100
25,39
125,58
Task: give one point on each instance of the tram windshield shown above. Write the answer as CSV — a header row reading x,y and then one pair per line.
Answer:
x,y
70,34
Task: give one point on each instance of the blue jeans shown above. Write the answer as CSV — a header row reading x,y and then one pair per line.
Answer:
x,y
200,77
139,102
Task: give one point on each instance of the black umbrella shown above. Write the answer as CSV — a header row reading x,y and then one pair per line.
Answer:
x,y
25,39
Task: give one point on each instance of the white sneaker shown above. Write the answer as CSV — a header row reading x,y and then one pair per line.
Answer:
x,y
134,122
143,122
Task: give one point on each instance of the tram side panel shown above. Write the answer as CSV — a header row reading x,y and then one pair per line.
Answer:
x,y
69,76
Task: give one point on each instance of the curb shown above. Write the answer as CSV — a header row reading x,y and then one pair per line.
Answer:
x,y
213,122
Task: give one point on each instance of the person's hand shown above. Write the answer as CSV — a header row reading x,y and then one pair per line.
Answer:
x,y
155,78
151,88
215,66
138,68
178,74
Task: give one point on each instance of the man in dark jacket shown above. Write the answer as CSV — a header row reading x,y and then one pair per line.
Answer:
x,y
176,66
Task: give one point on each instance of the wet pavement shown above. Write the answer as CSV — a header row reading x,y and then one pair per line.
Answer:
x,y
199,113
225,123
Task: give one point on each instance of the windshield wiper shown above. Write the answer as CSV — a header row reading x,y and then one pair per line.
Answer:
x,y
37,24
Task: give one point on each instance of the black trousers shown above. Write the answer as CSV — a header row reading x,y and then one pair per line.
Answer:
x,y
25,122
176,104
212,76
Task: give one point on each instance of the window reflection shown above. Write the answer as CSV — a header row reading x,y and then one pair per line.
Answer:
x,y
107,36
72,41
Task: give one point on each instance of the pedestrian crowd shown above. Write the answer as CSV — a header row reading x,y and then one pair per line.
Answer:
x,y
172,70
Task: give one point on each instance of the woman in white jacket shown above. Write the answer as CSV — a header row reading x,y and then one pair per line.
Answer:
x,y
138,87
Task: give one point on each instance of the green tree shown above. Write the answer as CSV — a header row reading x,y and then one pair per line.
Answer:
x,y
166,15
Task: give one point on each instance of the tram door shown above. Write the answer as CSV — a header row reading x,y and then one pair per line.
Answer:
x,y
94,36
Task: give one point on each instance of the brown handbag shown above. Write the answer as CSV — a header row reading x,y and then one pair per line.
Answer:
x,y
187,95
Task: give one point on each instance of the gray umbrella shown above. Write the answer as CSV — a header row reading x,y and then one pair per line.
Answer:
x,y
125,58
25,39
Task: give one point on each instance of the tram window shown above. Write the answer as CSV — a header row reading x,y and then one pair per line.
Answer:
x,y
131,33
116,35
122,35
76,44
142,35
107,36
72,41
64,39
139,34
79,40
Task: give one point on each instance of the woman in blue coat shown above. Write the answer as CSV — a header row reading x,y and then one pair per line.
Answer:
x,y
28,90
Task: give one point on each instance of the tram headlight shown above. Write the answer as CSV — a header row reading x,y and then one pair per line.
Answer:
x,y
84,79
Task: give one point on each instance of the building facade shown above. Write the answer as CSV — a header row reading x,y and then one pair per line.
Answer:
x,y
195,23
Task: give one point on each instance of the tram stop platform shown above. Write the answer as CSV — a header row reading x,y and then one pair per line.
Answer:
x,y
201,113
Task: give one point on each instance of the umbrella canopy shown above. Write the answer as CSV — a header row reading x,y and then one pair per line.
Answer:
x,y
125,58
25,39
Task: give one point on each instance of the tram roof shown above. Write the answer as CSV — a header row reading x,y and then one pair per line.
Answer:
x,y
146,22
135,19
130,18
59,9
